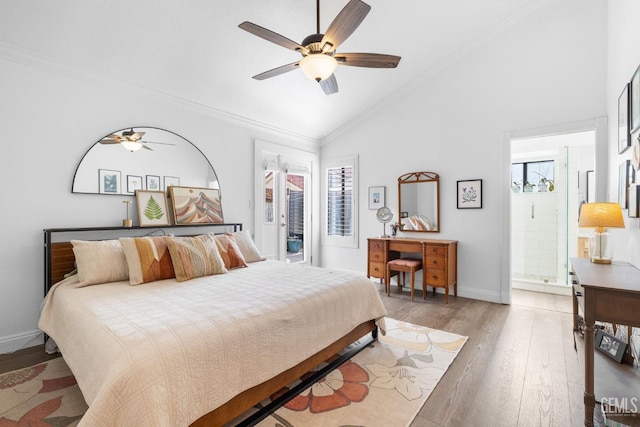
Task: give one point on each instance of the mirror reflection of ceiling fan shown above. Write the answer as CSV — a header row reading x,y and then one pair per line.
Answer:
x,y
319,56
130,140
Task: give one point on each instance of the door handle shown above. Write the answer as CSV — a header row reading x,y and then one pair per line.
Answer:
x,y
284,224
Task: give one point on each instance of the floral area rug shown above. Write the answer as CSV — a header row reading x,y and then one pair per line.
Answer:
x,y
42,395
385,384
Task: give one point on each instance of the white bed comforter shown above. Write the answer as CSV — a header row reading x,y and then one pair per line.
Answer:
x,y
166,353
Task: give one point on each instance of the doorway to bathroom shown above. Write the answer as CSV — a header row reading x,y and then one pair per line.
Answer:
x,y
550,177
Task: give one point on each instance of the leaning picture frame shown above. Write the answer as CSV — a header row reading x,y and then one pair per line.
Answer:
x,y
194,205
109,181
470,194
376,197
610,345
152,208
624,141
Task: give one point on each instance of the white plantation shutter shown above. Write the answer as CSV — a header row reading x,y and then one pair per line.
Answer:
x,y
341,202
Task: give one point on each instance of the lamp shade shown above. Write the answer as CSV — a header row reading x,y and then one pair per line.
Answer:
x,y
318,66
601,215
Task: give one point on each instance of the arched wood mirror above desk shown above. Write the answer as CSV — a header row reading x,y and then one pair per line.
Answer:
x,y
419,202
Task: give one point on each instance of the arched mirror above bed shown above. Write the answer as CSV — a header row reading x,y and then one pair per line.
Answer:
x,y
143,158
419,202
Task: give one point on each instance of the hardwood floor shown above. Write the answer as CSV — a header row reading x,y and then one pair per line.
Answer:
x,y
518,368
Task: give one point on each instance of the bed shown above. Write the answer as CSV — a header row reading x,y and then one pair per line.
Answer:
x,y
199,351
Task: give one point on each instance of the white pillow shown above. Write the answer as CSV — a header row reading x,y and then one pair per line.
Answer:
x,y
247,247
100,261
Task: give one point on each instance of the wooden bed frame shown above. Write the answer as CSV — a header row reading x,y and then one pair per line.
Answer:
x,y
60,260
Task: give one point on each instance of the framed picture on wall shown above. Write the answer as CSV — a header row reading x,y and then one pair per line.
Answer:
x,y
134,183
635,146
624,141
634,201
470,194
152,208
170,180
376,197
635,100
109,181
625,178
153,183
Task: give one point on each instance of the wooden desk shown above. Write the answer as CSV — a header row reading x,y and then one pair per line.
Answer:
x,y
439,259
610,293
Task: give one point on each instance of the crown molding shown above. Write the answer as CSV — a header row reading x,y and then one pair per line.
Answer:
x,y
43,63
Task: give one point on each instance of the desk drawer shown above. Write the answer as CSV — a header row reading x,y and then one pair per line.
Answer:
x,y
436,262
377,269
436,278
435,250
376,246
377,256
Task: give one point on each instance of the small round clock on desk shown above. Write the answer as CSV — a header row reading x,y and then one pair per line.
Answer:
x,y
384,215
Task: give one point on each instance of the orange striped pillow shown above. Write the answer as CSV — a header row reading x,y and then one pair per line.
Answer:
x,y
195,256
148,259
229,251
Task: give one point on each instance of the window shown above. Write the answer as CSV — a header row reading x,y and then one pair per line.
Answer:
x,y
341,197
533,173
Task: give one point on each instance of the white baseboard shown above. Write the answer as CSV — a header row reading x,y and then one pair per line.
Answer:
x,y
479,294
13,343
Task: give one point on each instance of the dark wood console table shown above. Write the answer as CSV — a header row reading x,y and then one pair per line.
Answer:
x,y
439,259
609,293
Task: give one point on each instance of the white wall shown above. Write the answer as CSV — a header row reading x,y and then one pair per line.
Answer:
x,y
50,117
547,69
622,60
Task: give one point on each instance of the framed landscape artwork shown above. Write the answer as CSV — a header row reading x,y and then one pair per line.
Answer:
x,y
376,197
193,205
152,208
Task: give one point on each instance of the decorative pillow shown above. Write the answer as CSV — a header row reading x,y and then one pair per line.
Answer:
x,y
247,247
100,261
148,259
229,251
194,256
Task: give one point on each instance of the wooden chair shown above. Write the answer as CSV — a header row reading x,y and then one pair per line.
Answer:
x,y
403,265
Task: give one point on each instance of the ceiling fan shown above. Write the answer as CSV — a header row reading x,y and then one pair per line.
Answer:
x,y
319,56
130,140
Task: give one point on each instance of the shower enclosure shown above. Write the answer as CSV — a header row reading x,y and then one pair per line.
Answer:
x,y
548,177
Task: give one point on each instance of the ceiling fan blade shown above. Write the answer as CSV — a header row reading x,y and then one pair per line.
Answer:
x,y
109,141
148,148
136,136
329,85
277,71
371,60
344,24
153,142
273,37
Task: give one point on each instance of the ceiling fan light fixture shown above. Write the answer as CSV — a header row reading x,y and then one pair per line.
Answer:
x,y
131,145
318,66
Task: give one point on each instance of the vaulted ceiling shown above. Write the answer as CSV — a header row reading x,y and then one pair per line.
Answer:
x,y
193,50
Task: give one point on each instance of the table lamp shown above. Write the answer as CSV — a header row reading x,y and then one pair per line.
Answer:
x,y
600,216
